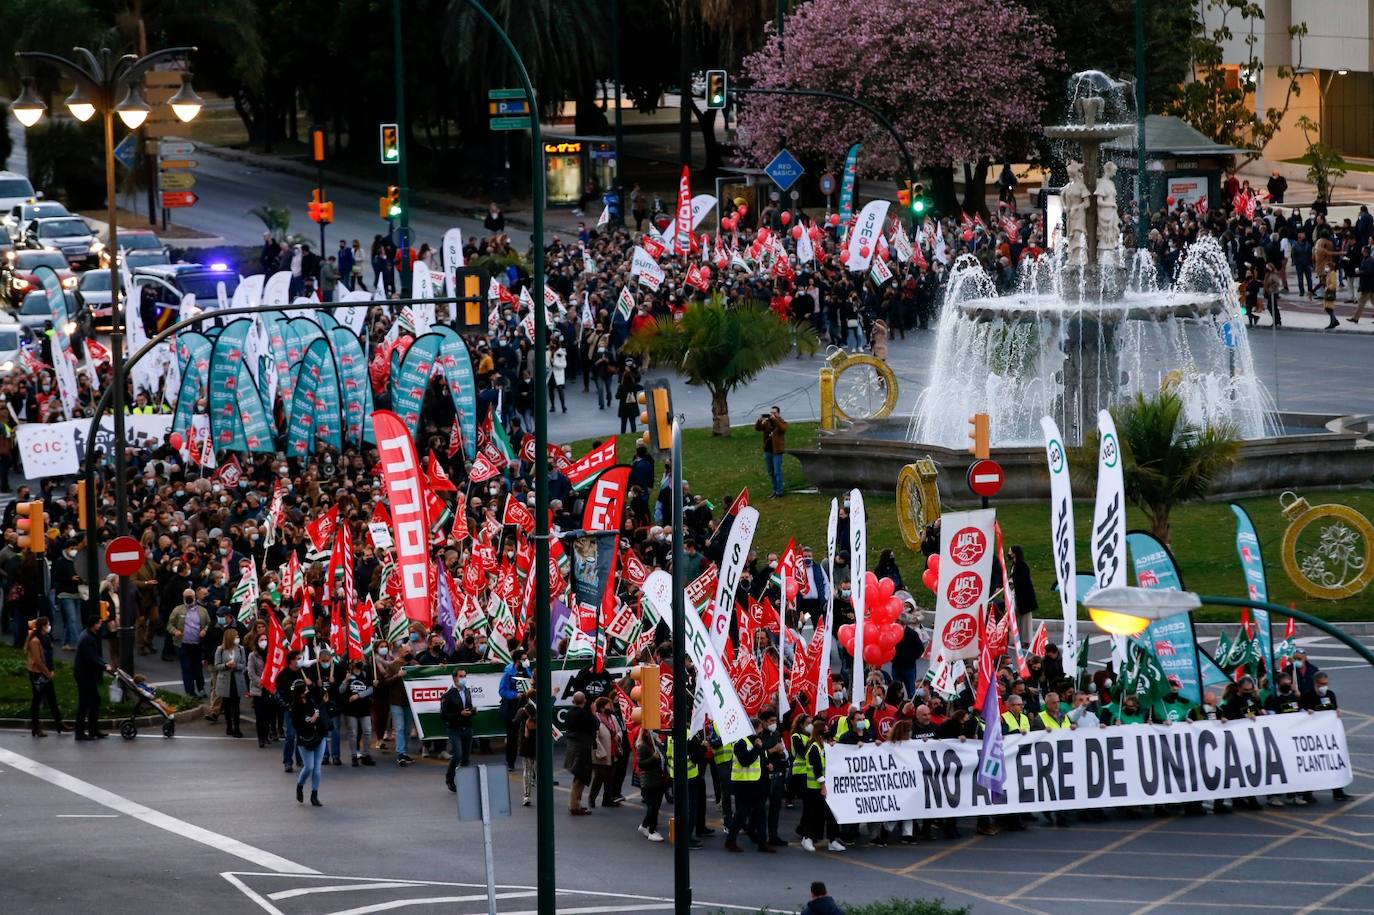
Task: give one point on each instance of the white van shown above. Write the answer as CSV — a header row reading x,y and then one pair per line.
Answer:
x,y
14,190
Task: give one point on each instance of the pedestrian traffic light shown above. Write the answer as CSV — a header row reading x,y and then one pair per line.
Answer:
x,y
470,315
83,505
978,435
656,413
391,144
29,518
715,89
644,696
320,209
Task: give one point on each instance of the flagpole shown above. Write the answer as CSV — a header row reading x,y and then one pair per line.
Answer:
x,y
682,837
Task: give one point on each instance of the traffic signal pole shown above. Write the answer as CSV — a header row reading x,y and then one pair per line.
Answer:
x,y
682,805
402,181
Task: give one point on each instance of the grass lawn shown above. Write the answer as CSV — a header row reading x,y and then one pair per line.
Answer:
x,y
1348,165
15,692
1203,534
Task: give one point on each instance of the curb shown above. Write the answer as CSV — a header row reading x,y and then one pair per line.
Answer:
x,y
112,724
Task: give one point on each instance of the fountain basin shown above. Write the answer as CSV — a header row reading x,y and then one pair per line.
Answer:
x,y
1132,306
1313,450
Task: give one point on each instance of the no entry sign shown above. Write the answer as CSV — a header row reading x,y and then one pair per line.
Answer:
x,y
124,555
985,478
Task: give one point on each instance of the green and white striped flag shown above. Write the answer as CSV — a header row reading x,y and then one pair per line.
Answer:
x,y
625,304
246,593
398,626
498,650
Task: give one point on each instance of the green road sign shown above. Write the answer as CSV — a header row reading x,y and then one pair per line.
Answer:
x,y
505,93
510,123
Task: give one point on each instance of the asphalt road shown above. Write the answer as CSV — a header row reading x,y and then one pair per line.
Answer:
x,y
203,821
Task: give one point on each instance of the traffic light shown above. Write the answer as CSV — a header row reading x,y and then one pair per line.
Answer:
x,y
919,202
390,205
321,210
715,89
656,413
391,144
978,435
83,505
644,695
29,518
904,196
317,143
470,315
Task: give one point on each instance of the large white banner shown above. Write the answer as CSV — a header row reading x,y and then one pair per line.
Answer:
x,y
966,548
453,259
1061,529
1109,520
736,549
57,449
858,565
865,235
1093,768
722,702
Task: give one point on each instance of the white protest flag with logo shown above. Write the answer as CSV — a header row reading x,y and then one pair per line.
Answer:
x,y
1061,530
453,259
625,304
682,226
605,218
722,702
642,261
806,253
1109,520
701,205
966,540
865,236
650,273
901,245
941,676
736,549
823,674
858,562
422,287
880,271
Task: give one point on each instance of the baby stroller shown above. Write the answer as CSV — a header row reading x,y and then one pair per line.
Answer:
x,y
144,698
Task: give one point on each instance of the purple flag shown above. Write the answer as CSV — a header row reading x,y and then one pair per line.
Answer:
x,y
991,768
445,616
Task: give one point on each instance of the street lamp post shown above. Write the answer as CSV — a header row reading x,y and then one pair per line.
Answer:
x,y
1142,220
398,76
100,78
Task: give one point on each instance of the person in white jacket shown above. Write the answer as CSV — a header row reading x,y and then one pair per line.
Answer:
x,y
558,370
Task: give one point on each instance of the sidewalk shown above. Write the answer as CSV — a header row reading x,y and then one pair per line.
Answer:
x,y
1309,316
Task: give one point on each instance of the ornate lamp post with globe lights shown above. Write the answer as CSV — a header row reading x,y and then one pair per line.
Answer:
x,y
110,85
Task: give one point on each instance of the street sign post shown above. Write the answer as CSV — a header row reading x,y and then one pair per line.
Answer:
x,y
173,199
985,478
827,184
124,555
784,170
522,123
505,93
509,107
170,164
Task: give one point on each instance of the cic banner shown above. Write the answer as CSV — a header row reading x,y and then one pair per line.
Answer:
x,y
1120,766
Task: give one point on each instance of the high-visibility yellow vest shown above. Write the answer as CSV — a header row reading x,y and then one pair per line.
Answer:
x,y
1050,724
725,753
747,772
841,727
692,770
1016,723
142,411
799,764
815,764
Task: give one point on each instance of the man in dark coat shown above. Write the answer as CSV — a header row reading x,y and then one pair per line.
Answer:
x,y
580,730
89,667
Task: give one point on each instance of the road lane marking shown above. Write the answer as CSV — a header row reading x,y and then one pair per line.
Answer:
x,y
1078,862
152,817
88,816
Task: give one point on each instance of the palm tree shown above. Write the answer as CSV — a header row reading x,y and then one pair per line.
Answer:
x,y
1167,460
724,346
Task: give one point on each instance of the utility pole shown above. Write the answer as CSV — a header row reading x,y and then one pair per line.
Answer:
x,y
684,121
1142,224
683,815
619,132
399,77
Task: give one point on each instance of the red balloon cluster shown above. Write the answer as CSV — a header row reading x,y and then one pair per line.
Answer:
x,y
931,576
785,217
728,223
175,440
882,632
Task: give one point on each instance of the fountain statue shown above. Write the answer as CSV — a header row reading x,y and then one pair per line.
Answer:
x,y
1089,325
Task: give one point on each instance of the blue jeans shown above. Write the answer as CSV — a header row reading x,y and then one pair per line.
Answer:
x,y
1304,272
310,765
773,464
192,669
400,721
71,618
335,735
289,751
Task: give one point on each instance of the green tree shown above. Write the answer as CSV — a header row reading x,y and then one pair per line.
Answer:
x,y
1168,461
1324,164
723,347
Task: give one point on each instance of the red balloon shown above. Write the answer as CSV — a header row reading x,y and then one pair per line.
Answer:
x,y
844,254
706,272
886,587
931,579
722,262
785,218
895,606
968,235
890,635
743,209
882,252
796,232
846,633
1169,200
933,563
175,440
834,219
727,224
863,251
872,630
791,589
874,656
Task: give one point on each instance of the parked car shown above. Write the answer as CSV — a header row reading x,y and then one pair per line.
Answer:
x,y
14,190
141,248
71,235
20,215
16,273
34,311
12,337
93,293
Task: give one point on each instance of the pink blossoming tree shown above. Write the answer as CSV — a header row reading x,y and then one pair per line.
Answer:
x,y
963,83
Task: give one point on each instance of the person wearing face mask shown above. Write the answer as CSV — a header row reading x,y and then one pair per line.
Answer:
x,y
817,822
775,770
1304,672
457,710
356,695
748,780
188,624
390,684
67,584
1322,698
263,705
327,677
229,665
38,662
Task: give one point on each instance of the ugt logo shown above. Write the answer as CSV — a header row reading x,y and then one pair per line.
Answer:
x,y
967,546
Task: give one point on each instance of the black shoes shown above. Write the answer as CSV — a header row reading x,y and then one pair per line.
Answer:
x,y
315,799
300,794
